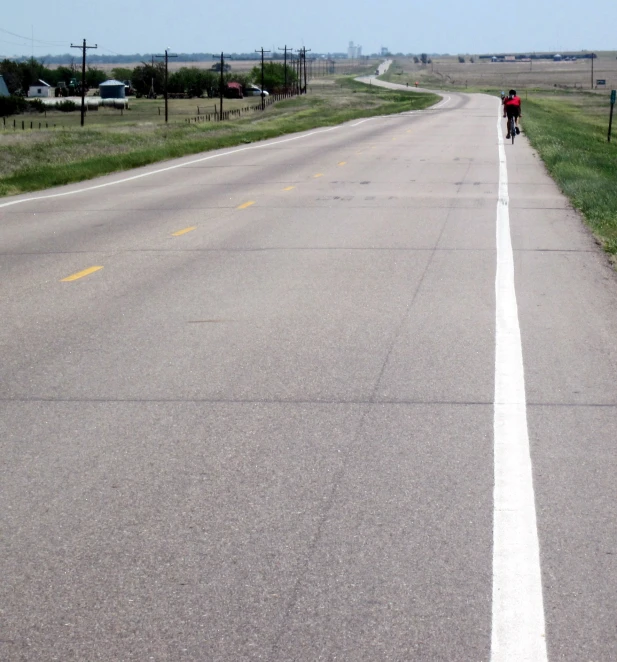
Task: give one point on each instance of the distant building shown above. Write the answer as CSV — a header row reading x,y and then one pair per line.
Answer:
x,y
41,89
354,52
385,50
557,58
4,90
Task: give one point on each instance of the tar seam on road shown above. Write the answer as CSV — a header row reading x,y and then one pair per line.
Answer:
x,y
518,627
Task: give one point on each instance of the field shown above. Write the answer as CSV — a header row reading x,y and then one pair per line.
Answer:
x,y
315,67
535,74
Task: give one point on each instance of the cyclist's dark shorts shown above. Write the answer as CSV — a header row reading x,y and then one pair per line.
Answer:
x,y
513,111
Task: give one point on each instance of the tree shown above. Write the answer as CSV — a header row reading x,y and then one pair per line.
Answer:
x,y
193,81
146,76
274,76
94,77
121,73
424,58
416,59
461,59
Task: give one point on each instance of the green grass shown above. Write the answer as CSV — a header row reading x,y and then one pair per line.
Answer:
x,y
35,160
570,135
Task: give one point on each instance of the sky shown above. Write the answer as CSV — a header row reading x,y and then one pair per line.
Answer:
x,y
236,26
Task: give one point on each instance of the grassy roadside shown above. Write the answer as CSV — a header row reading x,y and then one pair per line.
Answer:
x,y
570,135
38,160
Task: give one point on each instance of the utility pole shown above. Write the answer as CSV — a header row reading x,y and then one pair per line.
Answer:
x,y
151,93
166,56
290,50
263,98
83,77
304,52
593,55
294,65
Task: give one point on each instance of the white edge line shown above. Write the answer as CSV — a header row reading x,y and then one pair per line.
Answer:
x,y
518,625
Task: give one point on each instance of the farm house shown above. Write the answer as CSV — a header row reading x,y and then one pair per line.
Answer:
x,y
40,89
112,89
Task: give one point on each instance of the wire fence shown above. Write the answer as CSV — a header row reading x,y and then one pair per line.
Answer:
x,y
210,112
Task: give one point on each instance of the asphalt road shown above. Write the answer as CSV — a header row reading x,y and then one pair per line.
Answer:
x,y
263,428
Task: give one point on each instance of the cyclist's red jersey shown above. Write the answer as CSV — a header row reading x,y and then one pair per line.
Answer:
x,y
512,101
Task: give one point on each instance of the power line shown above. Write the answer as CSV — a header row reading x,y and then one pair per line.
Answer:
x,y
30,39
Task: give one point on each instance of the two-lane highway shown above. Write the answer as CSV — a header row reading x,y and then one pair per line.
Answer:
x,y
250,406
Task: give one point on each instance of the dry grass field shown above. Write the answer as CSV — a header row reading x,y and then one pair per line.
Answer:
x,y
316,66
536,74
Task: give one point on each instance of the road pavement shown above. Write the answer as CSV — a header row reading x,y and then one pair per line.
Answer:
x,y
250,403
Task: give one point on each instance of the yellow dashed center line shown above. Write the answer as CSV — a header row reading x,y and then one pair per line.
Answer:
x,y
177,234
342,163
246,204
289,188
319,174
80,274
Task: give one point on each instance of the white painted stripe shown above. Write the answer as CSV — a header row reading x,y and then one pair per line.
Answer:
x,y
518,633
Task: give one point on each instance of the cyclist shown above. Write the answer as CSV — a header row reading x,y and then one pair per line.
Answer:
x,y
512,108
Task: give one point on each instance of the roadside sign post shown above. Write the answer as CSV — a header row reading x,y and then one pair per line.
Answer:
x,y
610,120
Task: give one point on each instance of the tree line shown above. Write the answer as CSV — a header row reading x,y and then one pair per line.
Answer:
x,y
147,79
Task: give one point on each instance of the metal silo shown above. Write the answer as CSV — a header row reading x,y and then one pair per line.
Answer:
x,y
112,89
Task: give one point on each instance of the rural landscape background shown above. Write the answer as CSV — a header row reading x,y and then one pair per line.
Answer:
x,y
565,105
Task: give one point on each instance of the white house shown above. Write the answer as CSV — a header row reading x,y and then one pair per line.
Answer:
x,y
41,89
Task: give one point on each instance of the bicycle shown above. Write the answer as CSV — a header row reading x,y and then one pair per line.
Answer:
x,y
512,127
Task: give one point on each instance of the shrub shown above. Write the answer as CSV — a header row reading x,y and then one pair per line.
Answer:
x,y
12,105
66,106
37,104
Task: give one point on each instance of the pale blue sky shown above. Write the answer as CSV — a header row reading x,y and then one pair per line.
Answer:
x,y
476,26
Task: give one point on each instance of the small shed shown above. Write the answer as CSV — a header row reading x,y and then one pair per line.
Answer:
x,y
112,89
4,90
40,89
234,91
